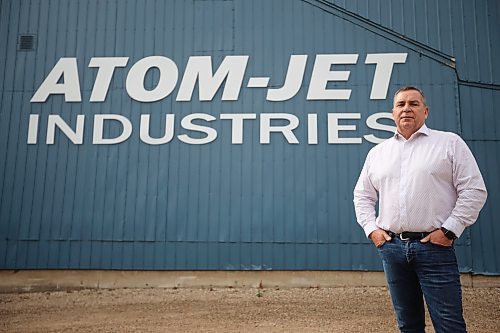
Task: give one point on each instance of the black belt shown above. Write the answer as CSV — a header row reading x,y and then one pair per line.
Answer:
x,y
407,235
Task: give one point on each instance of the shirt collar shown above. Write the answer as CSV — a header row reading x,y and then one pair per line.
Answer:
x,y
422,130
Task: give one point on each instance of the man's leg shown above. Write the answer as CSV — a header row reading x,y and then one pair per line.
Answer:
x,y
437,270
404,287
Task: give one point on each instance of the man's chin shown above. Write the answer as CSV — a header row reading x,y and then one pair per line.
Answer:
x,y
407,126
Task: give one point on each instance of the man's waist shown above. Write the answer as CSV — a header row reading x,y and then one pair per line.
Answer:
x,y
407,235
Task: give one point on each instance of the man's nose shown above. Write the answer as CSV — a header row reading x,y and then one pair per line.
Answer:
x,y
406,108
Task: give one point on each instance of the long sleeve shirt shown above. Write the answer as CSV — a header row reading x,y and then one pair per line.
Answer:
x,y
426,182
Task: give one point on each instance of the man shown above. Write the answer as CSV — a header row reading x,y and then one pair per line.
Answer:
x,y
429,189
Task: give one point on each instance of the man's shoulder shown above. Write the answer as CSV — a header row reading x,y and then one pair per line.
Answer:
x,y
444,135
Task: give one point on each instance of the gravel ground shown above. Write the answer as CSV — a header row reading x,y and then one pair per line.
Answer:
x,y
363,309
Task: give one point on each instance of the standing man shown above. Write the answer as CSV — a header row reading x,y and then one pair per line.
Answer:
x,y
429,189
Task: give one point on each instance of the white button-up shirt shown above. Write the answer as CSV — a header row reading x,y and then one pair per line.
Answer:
x,y
426,182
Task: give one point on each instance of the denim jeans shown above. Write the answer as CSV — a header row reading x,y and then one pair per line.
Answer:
x,y
415,270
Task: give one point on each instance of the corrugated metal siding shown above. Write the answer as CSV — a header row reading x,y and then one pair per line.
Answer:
x,y
481,125
479,115
178,206
465,29
484,234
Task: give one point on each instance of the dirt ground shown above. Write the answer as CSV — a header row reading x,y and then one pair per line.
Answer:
x,y
363,309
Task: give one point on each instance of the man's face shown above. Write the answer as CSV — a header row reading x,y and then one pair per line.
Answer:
x,y
409,112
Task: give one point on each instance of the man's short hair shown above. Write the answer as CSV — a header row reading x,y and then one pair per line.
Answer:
x,y
406,88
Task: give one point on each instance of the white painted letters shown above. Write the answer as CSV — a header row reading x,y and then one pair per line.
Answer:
x,y
99,120
105,72
383,71
293,80
67,70
322,74
168,79
232,69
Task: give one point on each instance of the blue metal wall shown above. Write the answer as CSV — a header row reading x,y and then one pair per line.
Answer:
x,y
220,205
468,30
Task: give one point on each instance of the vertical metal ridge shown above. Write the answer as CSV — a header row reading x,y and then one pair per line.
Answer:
x,y
475,31
439,29
65,151
488,45
449,10
16,192
4,137
55,150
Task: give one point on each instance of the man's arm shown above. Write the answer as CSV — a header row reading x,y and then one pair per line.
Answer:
x,y
471,190
365,198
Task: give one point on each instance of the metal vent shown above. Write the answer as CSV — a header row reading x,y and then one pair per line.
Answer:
x,y
26,43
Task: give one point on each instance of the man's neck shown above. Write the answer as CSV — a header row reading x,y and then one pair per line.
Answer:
x,y
408,134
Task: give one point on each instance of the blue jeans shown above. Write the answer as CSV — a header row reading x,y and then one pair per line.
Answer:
x,y
415,270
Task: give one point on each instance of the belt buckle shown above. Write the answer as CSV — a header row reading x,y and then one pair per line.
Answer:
x,y
401,237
